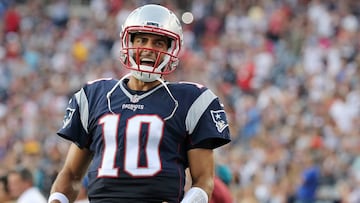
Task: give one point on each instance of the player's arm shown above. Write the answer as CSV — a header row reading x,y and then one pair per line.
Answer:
x,y
201,165
67,183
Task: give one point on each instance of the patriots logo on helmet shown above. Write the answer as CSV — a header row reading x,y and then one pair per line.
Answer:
x,y
68,116
219,119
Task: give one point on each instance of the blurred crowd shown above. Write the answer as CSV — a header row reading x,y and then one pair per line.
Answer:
x,y
287,71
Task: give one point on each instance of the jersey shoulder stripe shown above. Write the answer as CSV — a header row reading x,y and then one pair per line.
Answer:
x,y
198,108
94,89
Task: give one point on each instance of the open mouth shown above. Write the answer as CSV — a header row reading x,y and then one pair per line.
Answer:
x,y
147,62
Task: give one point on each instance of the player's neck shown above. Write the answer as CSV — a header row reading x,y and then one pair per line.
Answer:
x,y
138,85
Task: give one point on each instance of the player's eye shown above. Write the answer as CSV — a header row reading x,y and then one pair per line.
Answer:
x,y
160,43
140,40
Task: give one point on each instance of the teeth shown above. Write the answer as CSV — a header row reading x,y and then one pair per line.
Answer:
x,y
147,60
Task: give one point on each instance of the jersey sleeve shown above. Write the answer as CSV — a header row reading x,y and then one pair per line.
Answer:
x,y
207,123
75,121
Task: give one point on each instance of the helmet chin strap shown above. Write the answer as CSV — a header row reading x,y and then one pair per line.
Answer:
x,y
144,76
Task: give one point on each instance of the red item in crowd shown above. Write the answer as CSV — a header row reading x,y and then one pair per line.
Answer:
x,y
221,193
12,21
245,76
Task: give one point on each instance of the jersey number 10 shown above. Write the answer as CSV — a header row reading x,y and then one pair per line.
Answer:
x,y
132,139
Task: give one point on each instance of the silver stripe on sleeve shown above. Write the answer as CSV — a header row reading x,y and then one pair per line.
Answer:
x,y
83,108
197,109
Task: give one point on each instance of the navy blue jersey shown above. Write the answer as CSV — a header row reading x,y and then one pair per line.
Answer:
x,y
140,139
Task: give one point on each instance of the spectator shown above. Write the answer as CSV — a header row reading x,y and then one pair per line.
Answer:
x,y
306,192
4,190
21,187
12,19
221,192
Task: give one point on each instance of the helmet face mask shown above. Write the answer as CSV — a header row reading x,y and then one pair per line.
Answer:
x,y
163,23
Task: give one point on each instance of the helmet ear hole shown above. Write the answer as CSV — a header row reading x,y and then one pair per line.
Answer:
x,y
169,42
132,37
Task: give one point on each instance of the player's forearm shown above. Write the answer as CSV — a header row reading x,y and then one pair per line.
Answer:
x,y
202,169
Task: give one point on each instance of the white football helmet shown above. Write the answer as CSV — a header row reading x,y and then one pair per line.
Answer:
x,y
154,19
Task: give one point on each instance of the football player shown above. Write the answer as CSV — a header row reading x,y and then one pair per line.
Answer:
x,y
134,137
